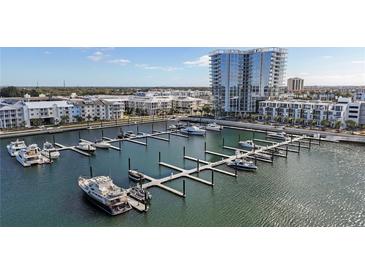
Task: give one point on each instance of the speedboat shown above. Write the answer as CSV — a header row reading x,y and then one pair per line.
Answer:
x,y
105,194
172,127
140,194
15,147
242,164
86,146
278,135
213,127
135,176
101,144
193,130
248,144
141,134
50,151
31,155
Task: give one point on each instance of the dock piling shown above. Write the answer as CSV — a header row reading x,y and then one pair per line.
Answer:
x,y
120,146
286,151
205,146
159,156
184,193
54,140
223,141
91,171
197,165
102,133
79,135
212,177
129,163
184,151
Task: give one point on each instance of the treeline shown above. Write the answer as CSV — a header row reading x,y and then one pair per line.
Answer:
x,y
15,92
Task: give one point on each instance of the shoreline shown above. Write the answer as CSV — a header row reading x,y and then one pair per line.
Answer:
x,y
330,136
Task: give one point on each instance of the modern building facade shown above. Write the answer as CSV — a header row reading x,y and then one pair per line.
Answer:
x,y
342,110
295,84
240,79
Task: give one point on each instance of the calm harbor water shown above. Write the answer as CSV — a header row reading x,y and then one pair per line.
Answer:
x,y
324,186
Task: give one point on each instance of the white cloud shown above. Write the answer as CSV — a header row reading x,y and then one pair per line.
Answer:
x,y
47,52
336,79
96,56
303,73
164,68
358,62
202,61
327,56
119,61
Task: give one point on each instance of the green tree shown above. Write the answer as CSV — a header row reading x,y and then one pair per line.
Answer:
x,y
64,119
350,124
37,122
10,92
207,109
325,123
337,124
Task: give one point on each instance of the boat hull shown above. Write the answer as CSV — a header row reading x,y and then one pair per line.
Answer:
x,y
108,209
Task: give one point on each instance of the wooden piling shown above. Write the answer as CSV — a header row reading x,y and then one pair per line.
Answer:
x,y
212,177
205,146
129,163
79,135
223,141
159,156
54,140
197,165
184,151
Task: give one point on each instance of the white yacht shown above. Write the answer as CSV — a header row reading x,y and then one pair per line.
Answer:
x,y
193,130
101,144
50,151
15,147
86,146
278,135
213,127
31,155
105,194
248,144
135,175
242,164
172,127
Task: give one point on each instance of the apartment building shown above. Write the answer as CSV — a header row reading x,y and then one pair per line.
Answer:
x,y
241,79
11,115
295,84
307,110
48,112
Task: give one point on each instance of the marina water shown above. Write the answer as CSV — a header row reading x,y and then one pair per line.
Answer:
x,y
324,186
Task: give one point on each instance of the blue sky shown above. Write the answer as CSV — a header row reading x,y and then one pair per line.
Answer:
x,y
162,66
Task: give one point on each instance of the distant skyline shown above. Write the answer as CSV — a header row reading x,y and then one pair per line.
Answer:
x,y
162,66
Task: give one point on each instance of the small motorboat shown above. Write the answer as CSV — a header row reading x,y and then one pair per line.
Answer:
x,y
278,135
172,127
140,194
135,175
86,146
101,144
213,127
248,144
193,130
241,164
15,147
141,135
50,151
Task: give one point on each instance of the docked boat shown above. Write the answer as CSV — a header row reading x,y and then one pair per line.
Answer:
x,y
135,176
248,144
105,194
193,130
213,127
140,194
141,135
50,151
14,147
101,144
172,127
242,164
263,156
278,135
86,146
31,155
